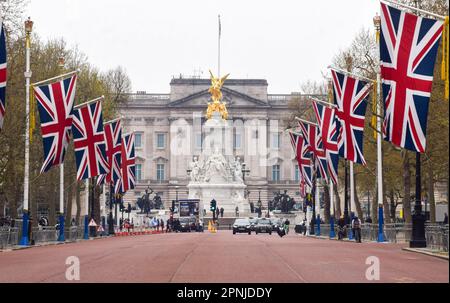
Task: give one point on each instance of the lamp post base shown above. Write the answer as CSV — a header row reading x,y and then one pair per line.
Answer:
x,y
86,228
61,236
332,232
418,231
24,241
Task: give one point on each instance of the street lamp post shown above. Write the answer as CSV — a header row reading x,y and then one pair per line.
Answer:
x,y
25,237
110,216
259,201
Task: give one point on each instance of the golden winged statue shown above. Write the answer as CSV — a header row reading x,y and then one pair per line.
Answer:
x,y
216,96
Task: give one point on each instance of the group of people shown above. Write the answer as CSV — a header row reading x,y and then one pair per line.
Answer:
x,y
355,226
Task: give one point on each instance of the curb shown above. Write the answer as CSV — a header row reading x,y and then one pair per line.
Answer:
x,y
423,252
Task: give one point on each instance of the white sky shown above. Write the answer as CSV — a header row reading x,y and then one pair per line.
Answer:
x,y
285,42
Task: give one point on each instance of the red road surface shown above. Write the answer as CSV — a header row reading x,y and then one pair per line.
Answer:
x,y
221,257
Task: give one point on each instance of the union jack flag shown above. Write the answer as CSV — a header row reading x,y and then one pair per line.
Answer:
x,y
89,141
329,132
55,105
350,96
3,73
128,177
303,156
314,142
408,47
113,135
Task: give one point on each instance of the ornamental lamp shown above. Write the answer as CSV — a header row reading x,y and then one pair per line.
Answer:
x,y
28,26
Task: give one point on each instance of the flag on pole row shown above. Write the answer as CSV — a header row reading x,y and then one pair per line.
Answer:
x,y
55,105
128,179
329,133
408,48
303,156
3,73
89,141
350,96
113,137
314,142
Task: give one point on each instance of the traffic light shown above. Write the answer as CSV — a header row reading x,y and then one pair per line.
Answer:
x,y
213,205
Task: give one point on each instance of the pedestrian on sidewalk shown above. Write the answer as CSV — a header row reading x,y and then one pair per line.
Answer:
x,y
157,225
342,228
162,225
356,228
286,226
217,213
221,212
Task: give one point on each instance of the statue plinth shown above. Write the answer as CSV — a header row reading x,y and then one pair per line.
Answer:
x,y
214,176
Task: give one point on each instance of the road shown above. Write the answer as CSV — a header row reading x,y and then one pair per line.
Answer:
x,y
221,257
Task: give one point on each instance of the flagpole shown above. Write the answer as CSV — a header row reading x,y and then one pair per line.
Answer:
x,y
218,57
377,23
56,78
332,232
25,240
414,9
61,237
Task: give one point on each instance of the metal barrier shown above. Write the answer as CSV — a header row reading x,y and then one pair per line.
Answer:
x,y
74,233
9,236
437,237
44,234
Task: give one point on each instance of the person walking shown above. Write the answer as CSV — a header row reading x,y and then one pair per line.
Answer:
x,y
221,212
342,228
217,213
286,226
162,225
356,228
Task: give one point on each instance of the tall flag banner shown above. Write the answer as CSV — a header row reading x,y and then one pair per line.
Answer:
x,y
408,48
3,73
128,178
329,132
113,135
303,156
350,96
89,141
55,105
101,180
314,142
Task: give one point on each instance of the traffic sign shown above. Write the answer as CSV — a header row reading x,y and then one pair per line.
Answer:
x,y
92,223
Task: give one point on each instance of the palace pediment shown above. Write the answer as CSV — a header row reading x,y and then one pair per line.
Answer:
x,y
231,97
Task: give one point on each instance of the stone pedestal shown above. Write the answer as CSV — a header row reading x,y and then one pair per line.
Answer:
x,y
218,177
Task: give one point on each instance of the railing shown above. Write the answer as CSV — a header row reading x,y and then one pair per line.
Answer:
x,y
437,237
74,233
44,234
9,236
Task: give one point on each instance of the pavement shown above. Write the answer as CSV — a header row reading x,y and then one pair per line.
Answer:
x,y
221,258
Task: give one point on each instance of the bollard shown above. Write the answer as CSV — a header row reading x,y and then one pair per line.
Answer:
x,y
332,232
24,241
61,237
86,228
380,224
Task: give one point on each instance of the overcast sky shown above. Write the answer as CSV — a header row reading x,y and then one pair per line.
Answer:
x,y
285,42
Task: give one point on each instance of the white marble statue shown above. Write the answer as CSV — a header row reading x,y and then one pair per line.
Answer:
x,y
238,170
216,163
195,170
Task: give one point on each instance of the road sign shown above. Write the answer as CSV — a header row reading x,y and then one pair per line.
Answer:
x,y
92,223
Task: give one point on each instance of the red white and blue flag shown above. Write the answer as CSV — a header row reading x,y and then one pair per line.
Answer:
x,y
314,142
408,48
89,141
303,156
3,73
350,96
55,105
113,136
328,130
128,178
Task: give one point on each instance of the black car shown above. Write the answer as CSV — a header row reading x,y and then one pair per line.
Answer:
x,y
276,222
242,226
263,226
186,224
253,222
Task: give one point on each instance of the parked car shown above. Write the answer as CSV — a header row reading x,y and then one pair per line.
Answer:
x,y
276,222
242,226
263,226
253,222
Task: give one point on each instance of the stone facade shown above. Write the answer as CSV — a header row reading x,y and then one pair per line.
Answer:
x,y
169,128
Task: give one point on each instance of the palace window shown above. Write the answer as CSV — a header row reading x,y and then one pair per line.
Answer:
x,y
198,141
276,173
138,140
160,141
276,140
138,172
297,173
237,142
160,172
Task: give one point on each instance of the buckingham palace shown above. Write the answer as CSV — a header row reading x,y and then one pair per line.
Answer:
x,y
168,135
